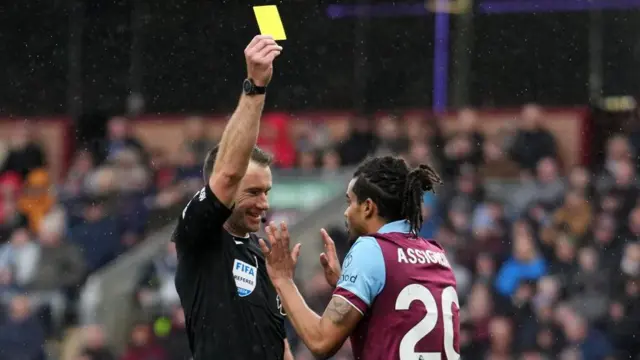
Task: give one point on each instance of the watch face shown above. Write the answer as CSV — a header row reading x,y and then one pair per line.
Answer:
x,y
247,86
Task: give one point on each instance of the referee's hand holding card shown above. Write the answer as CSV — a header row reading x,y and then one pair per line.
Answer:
x,y
260,53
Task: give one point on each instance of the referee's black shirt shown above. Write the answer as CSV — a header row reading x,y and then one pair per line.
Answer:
x,y
232,310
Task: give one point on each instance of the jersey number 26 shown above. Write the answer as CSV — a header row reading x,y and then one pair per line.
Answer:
x,y
417,292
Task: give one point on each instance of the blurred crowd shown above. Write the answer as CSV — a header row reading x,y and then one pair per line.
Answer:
x,y
54,234
546,256
547,259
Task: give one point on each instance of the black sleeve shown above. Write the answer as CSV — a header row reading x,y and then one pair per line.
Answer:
x,y
201,219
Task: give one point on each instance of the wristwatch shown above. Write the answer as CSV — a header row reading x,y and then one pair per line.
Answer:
x,y
250,88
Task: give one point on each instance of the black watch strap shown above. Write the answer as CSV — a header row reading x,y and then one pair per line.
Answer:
x,y
250,88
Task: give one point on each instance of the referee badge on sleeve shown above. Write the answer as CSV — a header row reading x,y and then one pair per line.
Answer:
x,y
245,276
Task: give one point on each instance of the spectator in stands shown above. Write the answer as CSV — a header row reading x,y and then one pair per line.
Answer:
x,y
275,138
157,288
142,345
484,268
331,161
99,237
476,315
532,141
163,171
466,190
390,137
418,129
119,137
574,216
589,286
60,269
457,152
580,181
188,174
605,241
496,164
25,154
172,184
630,264
618,150
102,182
525,264
18,263
431,219
74,185
562,257
540,195
501,346
360,142
10,217
21,336
622,327
591,343
309,135
176,343
624,191
307,161
464,146
4,154
420,153
94,346
133,181
37,199
196,140
468,126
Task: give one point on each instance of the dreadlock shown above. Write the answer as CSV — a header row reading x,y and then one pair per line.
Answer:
x,y
395,188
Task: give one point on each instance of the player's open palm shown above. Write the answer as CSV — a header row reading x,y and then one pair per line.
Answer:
x,y
260,53
280,258
329,259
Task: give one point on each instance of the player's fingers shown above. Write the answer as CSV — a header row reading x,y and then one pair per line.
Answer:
x,y
329,244
263,247
323,260
284,232
295,253
271,235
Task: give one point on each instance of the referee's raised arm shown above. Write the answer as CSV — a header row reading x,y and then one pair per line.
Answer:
x,y
241,133
227,163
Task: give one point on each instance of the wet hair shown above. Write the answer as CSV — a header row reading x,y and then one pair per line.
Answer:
x,y
395,188
258,156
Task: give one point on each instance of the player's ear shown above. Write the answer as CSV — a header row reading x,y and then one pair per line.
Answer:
x,y
368,208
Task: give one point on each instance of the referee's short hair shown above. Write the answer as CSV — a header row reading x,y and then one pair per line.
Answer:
x,y
258,156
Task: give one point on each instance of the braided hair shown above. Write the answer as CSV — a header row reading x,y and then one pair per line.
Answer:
x,y
395,188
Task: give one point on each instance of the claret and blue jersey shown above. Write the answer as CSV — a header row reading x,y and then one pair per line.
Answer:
x,y
405,289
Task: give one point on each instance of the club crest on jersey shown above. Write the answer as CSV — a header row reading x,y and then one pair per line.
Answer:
x,y
245,276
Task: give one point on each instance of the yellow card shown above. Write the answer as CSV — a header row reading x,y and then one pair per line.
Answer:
x,y
269,21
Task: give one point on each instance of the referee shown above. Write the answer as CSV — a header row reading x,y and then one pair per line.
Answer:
x,y
232,309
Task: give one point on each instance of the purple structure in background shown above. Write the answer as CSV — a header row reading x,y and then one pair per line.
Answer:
x,y
482,7
535,6
441,63
441,41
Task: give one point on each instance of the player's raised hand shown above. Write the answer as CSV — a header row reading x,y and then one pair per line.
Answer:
x,y
280,258
329,259
260,53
